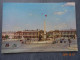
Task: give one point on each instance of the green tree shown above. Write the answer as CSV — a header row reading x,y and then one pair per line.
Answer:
x,y
6,36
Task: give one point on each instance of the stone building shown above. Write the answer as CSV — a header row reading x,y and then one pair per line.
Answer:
x,y
26,34
62,34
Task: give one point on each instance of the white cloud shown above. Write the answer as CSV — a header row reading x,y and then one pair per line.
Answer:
x,y
30,14
57,19
69,4
61,26
59,13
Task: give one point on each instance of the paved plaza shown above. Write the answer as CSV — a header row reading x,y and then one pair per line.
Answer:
x,y
43,47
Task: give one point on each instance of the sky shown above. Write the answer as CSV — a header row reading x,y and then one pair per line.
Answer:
x,y
31,16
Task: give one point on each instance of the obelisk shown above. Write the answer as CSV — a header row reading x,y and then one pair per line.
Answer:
x,y
45,28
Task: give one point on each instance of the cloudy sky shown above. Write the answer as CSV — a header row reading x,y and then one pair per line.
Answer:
x,y
31,16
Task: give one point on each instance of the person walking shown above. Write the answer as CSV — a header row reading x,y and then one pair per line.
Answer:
x,y
69,42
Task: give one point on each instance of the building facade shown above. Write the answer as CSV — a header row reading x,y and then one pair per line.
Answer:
x,y
63,34
26,34
9,34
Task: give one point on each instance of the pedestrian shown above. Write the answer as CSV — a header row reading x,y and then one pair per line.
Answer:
x,y
69,42
7,45
60,41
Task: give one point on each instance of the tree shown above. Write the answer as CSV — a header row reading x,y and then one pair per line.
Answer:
x,y
6,36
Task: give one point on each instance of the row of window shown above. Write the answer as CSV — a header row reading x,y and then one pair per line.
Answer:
x,y
26,37
27,34
65,33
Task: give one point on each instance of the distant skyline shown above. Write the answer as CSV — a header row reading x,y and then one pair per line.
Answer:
x,y
31,16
